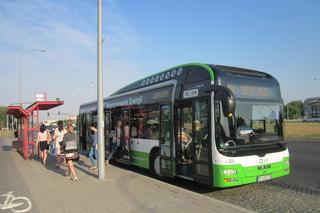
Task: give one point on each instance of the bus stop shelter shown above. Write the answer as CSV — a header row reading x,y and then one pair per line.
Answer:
x,y
28,124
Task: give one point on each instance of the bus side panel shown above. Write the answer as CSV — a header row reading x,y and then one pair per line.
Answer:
x,y
224,176
140,159
140,151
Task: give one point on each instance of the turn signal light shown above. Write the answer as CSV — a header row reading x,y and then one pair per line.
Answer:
x,y
228,180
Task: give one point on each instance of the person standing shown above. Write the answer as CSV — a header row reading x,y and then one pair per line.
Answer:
x,y
93,154
71,151
42,143
114,146
58,138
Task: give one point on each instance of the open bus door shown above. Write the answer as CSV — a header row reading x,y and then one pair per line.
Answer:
x,y
166,141
108,139
125,138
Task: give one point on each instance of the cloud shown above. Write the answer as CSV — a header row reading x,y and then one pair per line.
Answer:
x,y
67,30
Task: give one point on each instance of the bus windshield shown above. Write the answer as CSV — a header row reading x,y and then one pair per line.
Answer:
x,y
254,124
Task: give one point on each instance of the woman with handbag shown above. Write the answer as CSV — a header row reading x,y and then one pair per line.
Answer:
x,y
58,138
43,141
71,151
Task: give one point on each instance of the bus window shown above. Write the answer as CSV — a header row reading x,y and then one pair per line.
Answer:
x,y
152,122
222,132
201,130
134,122
186,132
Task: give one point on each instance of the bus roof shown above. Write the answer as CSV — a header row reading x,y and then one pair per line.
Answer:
x,y
168,74
189,73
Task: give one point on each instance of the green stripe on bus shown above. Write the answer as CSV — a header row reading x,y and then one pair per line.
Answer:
x,y
205,66
140,159
246,175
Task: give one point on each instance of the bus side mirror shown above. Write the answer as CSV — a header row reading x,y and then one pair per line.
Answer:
x,y
227,98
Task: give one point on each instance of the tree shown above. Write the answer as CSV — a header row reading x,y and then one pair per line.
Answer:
x,y
3,117
294,110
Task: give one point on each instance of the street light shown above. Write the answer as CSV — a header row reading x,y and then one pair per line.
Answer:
x,y
20,74
100,93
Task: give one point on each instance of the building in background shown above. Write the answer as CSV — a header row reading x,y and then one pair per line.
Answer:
x,y
311,107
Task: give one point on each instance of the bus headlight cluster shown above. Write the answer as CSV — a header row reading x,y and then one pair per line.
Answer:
x,y
230,171
287,162
228,180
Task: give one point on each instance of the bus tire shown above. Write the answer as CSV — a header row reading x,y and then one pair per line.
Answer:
x,y
155,163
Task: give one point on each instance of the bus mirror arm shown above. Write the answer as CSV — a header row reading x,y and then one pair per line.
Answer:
x,y
227,98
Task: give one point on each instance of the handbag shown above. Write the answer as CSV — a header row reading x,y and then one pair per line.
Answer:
x,y
62,147
72,156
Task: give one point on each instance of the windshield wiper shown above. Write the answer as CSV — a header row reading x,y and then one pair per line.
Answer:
x,y
248,146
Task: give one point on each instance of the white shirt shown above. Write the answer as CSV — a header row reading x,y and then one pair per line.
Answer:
x,y
58,135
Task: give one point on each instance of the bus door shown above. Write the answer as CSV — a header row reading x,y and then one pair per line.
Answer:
x,y
184,148
83,132
125,138
108,126
193,140
201,141
166,141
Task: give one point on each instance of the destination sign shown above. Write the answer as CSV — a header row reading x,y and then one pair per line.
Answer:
x,y
147,97
190,93
246,91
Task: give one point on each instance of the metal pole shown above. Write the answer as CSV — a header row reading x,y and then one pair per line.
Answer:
x,y
100,97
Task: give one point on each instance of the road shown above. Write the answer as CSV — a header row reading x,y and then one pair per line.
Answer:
x,y
305,163
298,192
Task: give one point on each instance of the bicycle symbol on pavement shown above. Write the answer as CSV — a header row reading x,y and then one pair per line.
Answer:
x,y
15,204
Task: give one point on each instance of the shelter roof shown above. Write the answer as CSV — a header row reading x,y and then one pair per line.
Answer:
x,y
18,111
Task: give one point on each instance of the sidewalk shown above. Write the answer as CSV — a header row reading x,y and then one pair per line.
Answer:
x,y
123,190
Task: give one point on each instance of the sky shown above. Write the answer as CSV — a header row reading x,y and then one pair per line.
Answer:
x,y
141,37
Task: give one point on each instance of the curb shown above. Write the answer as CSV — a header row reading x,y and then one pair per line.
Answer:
x,y
301,139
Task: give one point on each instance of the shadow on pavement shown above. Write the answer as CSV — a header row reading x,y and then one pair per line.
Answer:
x,y
51,166
85,171
179,182
6,148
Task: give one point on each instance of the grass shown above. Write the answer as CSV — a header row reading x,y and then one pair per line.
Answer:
x,y
302,130
6,133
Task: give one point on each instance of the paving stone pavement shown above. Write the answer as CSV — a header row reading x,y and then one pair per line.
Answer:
x,y
122,191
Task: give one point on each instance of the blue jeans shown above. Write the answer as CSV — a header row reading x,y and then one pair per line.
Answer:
x,y
92,152
114,149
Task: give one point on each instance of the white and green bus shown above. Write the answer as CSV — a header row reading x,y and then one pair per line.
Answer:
x,y
217,125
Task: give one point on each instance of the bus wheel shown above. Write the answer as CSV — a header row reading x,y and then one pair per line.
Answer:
x,y
155,163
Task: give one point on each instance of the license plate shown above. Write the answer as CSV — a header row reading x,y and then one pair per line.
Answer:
x,y
263,178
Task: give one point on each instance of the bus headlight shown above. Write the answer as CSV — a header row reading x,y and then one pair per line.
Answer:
x,y
229,180
230,171
287,162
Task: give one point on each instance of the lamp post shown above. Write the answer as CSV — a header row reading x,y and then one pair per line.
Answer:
x,y
100,95
20,73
